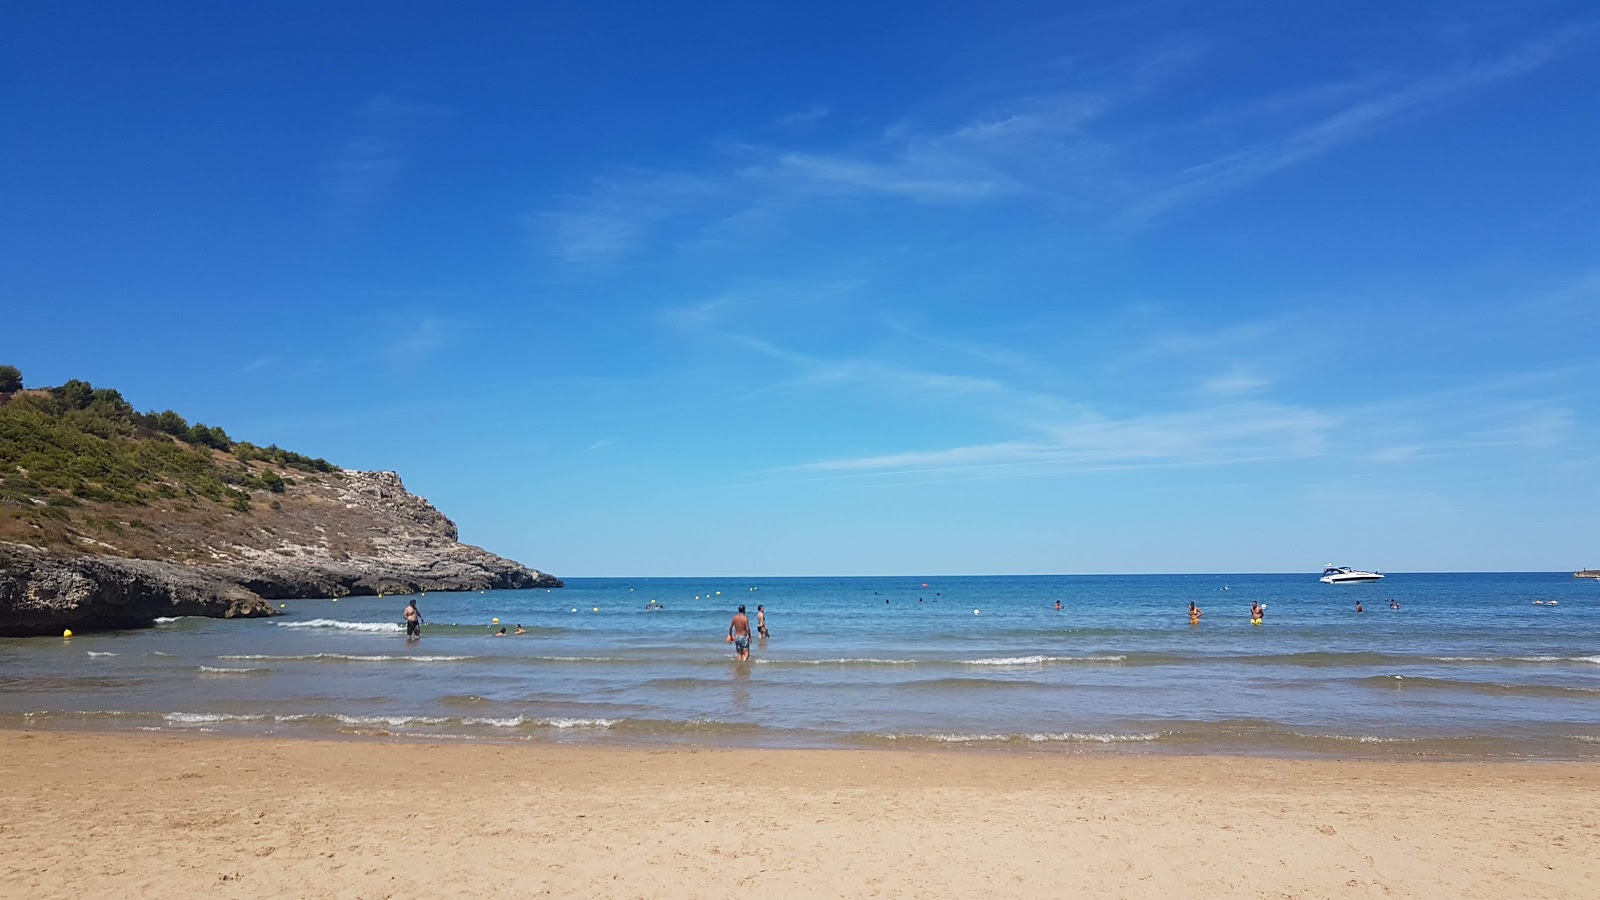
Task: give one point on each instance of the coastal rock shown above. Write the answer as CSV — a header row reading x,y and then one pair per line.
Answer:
x,y
331,534
43,594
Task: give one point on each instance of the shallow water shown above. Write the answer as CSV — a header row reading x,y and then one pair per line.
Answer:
x,y
1468,667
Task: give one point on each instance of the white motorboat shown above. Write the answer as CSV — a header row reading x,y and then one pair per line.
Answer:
x,y
1332,574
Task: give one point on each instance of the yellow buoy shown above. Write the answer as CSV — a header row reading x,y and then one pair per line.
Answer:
x,y
283,606
597,609
67,633
497,621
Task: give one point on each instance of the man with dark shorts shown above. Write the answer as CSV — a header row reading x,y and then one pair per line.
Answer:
x,y
761,622
739,635
413,620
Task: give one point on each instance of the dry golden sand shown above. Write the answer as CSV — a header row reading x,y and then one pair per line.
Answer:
x,y
113,815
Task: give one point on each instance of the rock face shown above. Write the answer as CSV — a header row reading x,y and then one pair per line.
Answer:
x,y
382,539
336,535
41,594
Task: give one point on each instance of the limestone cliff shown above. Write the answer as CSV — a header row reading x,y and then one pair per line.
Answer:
x,y
325,534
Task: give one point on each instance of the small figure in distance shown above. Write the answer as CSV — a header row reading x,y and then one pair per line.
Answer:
x,y
518,631
739,634
1058,606
761,622
1256,612
413,621
1194,613
500,633
1358,607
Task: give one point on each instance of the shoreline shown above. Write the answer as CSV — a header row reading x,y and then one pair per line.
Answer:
x,y
1067,746
160,814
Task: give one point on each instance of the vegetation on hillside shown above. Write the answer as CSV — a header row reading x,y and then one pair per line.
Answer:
x,y
76,443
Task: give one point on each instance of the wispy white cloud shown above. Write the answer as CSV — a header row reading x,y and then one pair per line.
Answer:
x,y
409,339
1235,382
368,161
803,118
1351,123
1215,435
1062,150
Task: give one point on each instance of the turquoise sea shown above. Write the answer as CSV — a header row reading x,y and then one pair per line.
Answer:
x,y
1468,667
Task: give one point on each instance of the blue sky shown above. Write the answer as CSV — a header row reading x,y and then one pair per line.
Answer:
x,y
847,289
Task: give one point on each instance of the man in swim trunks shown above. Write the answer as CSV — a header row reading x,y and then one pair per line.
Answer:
x,y
1194,613
739,634
413,620
761,622
1255,612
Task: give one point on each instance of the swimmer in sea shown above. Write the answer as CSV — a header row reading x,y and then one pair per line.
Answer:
x,y
1058,606
1255,612
413,621
1194,613
500,633
761,622
739,635
518,631
1358,607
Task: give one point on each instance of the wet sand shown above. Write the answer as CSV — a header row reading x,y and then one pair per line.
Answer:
x,y
157,815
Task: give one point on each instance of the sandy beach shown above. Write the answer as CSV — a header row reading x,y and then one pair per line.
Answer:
x,y
156,815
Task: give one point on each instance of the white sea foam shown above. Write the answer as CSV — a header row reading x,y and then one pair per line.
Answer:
x,y
209,718
349,657
845,661
392,721
99,654
1038,660
1532,659
577,723
344,626
229,670
166,620
1066,737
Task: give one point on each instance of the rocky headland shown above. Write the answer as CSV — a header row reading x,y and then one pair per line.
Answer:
x,y
112,526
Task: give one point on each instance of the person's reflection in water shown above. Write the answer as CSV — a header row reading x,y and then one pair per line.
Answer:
x,y
741,688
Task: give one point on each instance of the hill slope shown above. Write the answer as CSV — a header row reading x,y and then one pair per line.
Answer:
x,y
110,517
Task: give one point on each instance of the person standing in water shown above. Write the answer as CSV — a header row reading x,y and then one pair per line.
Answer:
x,y
1194,613
739,635
413,621
1255,612
1358,607
761,622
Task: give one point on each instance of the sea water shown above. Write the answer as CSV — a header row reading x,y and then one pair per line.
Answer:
x,y
1468,667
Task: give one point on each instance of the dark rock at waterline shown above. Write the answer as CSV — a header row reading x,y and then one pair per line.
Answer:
x,y
43,594
346,533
